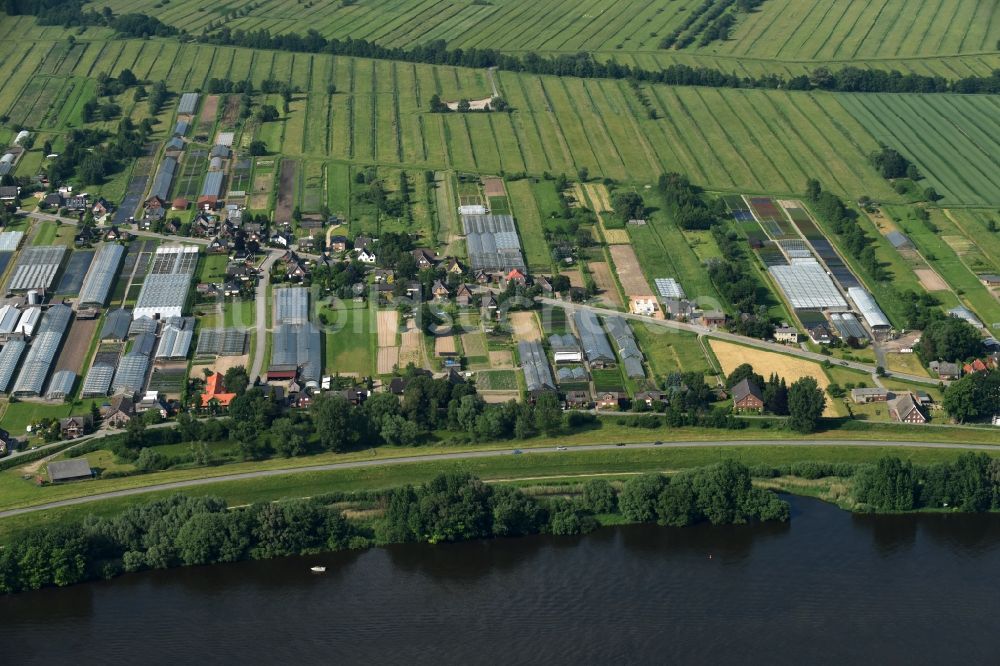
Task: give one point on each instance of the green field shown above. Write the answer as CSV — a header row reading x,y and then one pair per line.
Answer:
x,y
349,339
953,139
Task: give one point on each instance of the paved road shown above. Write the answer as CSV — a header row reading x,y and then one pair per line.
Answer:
x,y
732,337
470,455
261,304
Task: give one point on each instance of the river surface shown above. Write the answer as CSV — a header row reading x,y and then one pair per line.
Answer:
x,y
829,587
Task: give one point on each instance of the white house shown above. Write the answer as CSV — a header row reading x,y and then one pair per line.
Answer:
x,y
366,256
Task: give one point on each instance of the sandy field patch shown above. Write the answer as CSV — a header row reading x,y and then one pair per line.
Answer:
x,y
764,363
930,280
445,345
601,272
388,325
629,272
498,397
960,244
493,187
575,278
615,236
209,109
580,199
473,344
525,326
388,358
500,360
220,364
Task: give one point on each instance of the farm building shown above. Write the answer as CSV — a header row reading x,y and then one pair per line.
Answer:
x,y
565,349
116,325
37,267
291,305
98,380
163,180
492,243
101,275
864,396
899,240
786,334
188,103
904,409
165,290
43,351
144,344
69,470
299,346
131,373
628,349
807,286
10,356
175,145
988,279
222,152
222,342
211,190
848,326
595,343
574,373
181,128
215,164
61,385
537,375
669,288
962,312
9,316
21,136
869,309
174,343
142,325
10,240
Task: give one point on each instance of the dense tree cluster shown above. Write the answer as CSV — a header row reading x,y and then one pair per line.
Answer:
x,y
949,339
91,155
720,494
683,202
891,164
975,397
732,277
628,206
971,483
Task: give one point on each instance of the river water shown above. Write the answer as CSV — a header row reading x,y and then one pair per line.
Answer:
x,y
829,587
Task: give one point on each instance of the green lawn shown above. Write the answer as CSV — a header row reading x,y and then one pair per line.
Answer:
x,y
669,351
496,380
45,233
349,339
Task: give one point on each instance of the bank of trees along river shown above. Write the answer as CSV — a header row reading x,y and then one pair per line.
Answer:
x,y
180,530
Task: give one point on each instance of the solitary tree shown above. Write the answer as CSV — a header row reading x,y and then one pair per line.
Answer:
x,y
805,405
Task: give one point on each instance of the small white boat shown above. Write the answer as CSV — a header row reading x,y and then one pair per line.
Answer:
x,y
318,569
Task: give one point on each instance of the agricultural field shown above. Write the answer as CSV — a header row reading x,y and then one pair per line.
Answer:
x,y
953,139
348,340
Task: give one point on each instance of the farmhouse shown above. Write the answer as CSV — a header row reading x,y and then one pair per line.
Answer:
x,y
611,400
945,370
904,409
747,397
75,426
786,334
120,412
215,392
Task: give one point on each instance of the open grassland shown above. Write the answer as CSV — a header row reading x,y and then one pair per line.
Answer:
x,y
349,340
953,139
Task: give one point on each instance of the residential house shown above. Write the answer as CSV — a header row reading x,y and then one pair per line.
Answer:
x,y
215,392
366,256
464,296
577,400
990,279
52,200
482,277
517,277
945,370
154,203
611,400
338,244
9,192
120,412
713,318
652,398
643,305
680,309
454,267
100,210
544,284
440,291
424,257
152,401
820,334
904,409
863,396
180,203
114,234
6,442
77,203
218,245
172,226
977,366
76,426
363,242
414,289
786,334
747,397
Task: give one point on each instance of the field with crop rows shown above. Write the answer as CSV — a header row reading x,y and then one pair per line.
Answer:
x,y
953,139
858,29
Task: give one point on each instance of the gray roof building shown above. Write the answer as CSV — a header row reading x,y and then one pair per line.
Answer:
x,y
187,103
116,324
69,470
164,178
595,343
101,274
10,356
43,351
537,375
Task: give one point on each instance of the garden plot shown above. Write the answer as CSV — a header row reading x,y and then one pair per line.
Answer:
x,y
524,325
930,280
601,272
209,109
388,348
411,345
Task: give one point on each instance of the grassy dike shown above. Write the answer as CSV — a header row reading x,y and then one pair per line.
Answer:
x,y
529,468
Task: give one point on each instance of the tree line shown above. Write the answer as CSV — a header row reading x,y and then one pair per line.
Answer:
x,y
971,483
182,531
